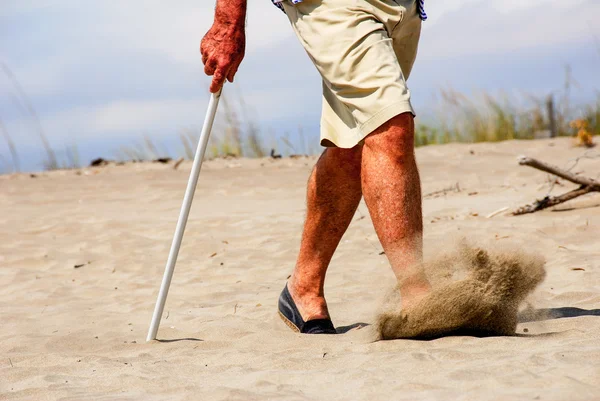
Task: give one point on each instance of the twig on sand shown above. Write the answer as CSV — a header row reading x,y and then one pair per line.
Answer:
x,y
177,163
443,191
497,212
587,185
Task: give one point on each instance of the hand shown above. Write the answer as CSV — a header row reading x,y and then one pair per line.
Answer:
x,y
222,50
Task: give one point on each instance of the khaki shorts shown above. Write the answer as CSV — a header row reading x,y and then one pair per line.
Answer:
x,y
364,51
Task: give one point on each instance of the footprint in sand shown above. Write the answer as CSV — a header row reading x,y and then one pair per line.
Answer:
x,y
485,302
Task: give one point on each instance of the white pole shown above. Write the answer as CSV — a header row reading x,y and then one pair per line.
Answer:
x,y
183,216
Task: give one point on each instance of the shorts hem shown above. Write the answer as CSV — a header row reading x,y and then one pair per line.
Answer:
x,y
353,137
383,116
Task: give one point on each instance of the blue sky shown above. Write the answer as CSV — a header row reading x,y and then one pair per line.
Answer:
x,y
103,74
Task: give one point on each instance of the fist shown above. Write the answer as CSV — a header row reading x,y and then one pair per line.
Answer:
x,y
222,50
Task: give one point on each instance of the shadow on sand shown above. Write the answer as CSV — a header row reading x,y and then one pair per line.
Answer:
x,y
530,315
178,339
534,315
345,329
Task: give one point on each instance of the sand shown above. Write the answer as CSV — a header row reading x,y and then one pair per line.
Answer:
x,y
82,254
485,301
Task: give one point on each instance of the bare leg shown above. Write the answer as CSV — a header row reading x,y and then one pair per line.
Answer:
x,y
334,192
392,191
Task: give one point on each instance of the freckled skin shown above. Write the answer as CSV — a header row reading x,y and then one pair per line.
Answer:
x,y
392,191
382,169
224,44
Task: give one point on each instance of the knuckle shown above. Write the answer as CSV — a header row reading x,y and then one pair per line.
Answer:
x,y
224,62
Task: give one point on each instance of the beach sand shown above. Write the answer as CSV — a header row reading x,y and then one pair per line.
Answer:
x,y
82,253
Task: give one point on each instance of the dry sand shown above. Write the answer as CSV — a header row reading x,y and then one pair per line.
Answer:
x,y
77,333
485,301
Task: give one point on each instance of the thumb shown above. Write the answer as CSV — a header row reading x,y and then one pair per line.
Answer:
x,y
231,74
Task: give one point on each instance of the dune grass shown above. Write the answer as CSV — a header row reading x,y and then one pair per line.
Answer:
x,y
486,118
16,165
24,103
235,134
454,117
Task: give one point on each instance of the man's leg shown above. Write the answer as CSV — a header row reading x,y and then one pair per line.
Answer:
x,y
392,191
334,192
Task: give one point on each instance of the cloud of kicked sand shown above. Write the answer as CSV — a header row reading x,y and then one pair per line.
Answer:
x,y
476,290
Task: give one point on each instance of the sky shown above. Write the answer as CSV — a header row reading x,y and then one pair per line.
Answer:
x,y
102,75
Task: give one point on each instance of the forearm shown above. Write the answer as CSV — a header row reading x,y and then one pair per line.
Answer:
x,y
231,12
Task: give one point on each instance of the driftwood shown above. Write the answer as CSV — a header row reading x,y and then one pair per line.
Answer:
x,y
587,185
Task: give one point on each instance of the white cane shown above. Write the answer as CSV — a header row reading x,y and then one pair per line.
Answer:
x,y
183,216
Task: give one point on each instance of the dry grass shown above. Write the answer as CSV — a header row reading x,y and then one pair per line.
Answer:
x,y
457,118
236,133
485,118
143,150
12,149
22,101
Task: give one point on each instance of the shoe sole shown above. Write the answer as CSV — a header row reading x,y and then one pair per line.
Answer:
x,y
289,323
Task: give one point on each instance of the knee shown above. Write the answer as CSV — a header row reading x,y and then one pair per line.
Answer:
x,y
394,139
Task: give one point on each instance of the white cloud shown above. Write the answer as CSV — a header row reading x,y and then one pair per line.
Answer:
x,y
439,9
496,27
73,35
157,117
112,119
175,29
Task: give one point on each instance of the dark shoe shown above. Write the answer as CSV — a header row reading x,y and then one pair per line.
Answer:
x,y
291,316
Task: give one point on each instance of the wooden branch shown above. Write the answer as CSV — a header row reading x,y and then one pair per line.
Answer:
x,y
567,175
587,185
550,201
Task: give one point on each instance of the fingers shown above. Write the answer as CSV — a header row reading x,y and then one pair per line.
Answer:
x,y
219,72
210,66
232,73
220,68
218,80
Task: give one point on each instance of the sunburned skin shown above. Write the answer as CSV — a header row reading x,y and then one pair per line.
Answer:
x,y
223,47
392,191
383,170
